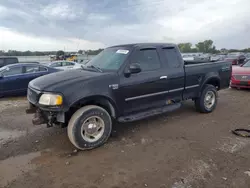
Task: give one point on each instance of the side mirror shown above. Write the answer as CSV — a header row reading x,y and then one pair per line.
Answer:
x,y
134,68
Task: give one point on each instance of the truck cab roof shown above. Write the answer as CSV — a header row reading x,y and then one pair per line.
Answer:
x,y
145,45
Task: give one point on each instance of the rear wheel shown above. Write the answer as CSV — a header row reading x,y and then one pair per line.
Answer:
x,y
207,101
89,127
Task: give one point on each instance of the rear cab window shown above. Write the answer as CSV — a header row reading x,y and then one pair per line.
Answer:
x,y
171,56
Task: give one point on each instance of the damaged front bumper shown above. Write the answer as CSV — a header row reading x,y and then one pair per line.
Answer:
x,y
47,117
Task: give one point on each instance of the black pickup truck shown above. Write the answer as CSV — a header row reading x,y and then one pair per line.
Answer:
x,y
123,83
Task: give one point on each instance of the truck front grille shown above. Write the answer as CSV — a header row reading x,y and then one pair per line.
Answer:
x,y
33,95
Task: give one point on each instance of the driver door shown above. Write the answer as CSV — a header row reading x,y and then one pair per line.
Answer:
x,y
146,89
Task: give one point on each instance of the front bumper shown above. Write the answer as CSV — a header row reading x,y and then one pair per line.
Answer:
x,y
43,114
45,117
240,84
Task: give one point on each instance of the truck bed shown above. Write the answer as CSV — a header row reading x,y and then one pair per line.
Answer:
x,y
191,62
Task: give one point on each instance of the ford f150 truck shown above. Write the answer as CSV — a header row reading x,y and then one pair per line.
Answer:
x,y
123,83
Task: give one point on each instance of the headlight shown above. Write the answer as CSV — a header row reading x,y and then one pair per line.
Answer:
x,y
51,99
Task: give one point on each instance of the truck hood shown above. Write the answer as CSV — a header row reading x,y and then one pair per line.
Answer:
x,y
64,79
241,70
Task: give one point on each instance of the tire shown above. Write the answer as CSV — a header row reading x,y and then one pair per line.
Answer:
x,y
200,102
75,127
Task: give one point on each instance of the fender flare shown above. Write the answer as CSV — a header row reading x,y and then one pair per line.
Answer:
x,y
99,100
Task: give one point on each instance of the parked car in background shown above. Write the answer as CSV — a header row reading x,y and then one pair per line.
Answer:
x,y
235,59
7,61
241,76
14,78
63,65
217,58
188,57
196,57
247,55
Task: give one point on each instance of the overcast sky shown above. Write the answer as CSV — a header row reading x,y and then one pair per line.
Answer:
x,y
91,24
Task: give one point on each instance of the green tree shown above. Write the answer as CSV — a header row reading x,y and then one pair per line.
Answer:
x,y
185,47
59,53
2,53
206,47
80,51
93,52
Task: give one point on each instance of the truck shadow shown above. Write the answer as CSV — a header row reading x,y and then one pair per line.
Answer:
x,y
121,130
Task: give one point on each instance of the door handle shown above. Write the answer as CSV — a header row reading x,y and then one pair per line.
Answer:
x,y
163,77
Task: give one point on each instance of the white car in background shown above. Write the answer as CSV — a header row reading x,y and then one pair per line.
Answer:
x,y
188,57
63,65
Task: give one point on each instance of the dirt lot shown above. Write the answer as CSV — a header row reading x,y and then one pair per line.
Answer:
x,y
183,149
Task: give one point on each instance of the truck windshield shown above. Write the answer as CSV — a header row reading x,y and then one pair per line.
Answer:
x,y
109,59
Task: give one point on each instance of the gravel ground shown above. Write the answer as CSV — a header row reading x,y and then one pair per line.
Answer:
x,y
183,149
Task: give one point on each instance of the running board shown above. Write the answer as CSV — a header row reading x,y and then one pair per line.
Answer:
x,y
149,113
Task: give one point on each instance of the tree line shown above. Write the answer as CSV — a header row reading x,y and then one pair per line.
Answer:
x,y
43,53
206,46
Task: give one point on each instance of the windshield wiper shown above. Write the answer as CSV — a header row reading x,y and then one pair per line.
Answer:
x,y
94,67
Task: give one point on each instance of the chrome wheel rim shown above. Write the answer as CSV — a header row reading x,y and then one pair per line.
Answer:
x,y
92,129
209,99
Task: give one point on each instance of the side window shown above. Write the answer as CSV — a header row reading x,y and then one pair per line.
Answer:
x,y
1,62
171,56
43,69
11,61
57,64
148,59
31,69
34,68
65,63
13,71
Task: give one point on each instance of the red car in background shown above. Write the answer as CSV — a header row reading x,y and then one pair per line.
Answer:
x,y
241,76
235,59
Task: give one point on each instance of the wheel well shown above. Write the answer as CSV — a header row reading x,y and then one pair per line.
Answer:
x,y
215,82
103,102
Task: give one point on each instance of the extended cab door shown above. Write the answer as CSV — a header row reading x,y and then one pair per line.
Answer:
x,y
174,67
146,89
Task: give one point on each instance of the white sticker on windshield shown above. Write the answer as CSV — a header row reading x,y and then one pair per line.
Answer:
x,y
122,51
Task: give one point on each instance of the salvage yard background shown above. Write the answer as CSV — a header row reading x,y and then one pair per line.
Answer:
x,y
181,149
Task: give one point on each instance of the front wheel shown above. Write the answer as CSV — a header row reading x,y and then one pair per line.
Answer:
x,y
89,127
207,101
